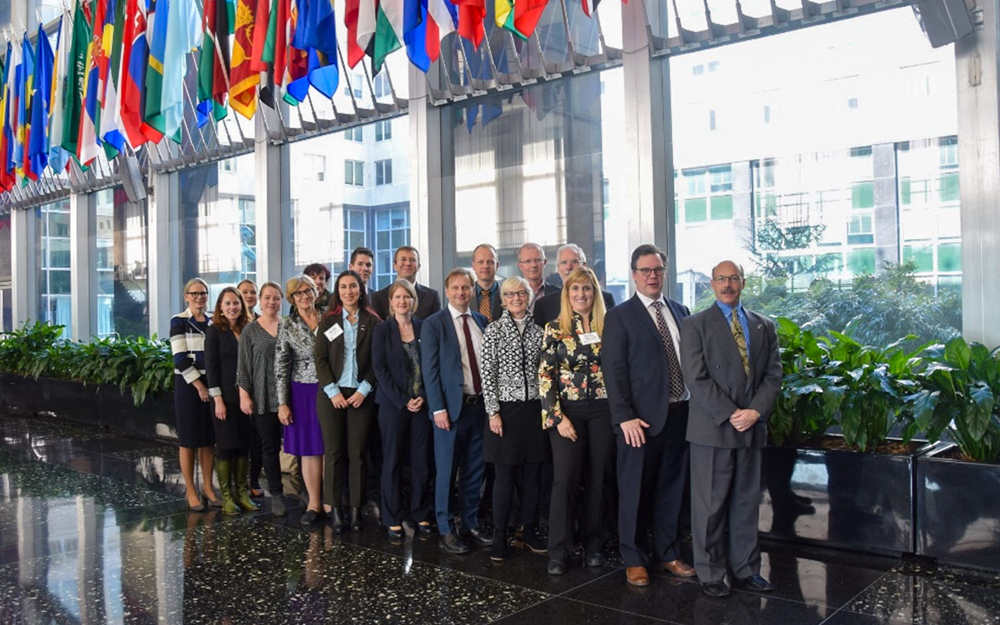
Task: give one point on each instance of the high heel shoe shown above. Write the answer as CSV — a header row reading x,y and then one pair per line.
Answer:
x,y
357,524
336,521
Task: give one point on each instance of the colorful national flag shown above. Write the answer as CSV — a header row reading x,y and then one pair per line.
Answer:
x,y
183,36
360,20
320,28
38,149
110,130
442,19
388,30
471,14
157,16
90,121
135,58
262,26
25,77
76,81
213,66
58,156
415,33
6,138
243,80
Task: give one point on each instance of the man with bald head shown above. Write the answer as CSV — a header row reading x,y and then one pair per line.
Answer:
x,y
729,356
568,258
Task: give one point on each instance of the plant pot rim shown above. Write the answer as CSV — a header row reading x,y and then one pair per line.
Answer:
x,y
812,445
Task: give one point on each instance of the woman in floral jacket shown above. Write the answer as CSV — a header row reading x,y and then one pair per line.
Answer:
x,y
576,413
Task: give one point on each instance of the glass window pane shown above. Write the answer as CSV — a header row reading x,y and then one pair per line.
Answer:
x,y
861,261
695,210
922,255
722,207
949,188
950,257
863,195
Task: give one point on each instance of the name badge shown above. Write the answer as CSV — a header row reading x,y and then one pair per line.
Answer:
x,y
590,338
332,333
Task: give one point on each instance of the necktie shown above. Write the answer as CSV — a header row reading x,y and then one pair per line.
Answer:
x,y
484,305
741,341
673,364
477,384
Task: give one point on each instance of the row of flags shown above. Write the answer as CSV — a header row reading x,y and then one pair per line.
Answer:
x,y
118,74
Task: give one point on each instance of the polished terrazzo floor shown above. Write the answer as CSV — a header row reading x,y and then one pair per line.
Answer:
x,y
93,529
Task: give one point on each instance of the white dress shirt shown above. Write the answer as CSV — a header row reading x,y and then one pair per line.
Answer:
x,y
468,387
675,333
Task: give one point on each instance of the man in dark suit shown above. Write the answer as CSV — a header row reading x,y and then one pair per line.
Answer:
x,y
568,258
406,263
451,352
531,262
486,290
731,365
649,409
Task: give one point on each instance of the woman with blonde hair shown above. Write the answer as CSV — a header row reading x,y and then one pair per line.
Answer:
x,y
295,374
575,410
195,433
233,429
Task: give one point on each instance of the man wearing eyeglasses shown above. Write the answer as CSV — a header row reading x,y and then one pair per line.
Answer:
x,y
568,258
649,411
731,364
531,261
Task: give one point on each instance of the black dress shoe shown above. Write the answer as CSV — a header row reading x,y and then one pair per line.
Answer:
x,y
357,524
556,567
479,536
755,583
453,544
499,551
596,559
715,589
309,517
396,536
426,531
336,521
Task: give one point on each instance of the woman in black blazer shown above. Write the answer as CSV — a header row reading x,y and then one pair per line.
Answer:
x,y
345,404
233,429
402,412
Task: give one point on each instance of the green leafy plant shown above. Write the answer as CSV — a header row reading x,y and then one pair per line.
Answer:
x,y
960,384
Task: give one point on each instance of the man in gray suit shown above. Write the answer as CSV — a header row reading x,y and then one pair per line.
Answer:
x,y
729,356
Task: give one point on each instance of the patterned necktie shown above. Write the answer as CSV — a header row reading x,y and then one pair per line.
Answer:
x,y
741,341
484,305
673,364
477,383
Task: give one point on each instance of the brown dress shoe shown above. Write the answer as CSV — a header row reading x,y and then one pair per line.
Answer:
x,y
637,576
677,568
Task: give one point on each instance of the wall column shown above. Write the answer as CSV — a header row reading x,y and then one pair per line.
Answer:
x,y
270,192
24,266
83,307
165,297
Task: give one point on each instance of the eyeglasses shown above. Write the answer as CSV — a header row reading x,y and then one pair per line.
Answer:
x,y
513,294
647,271
303,293
198,293
727,279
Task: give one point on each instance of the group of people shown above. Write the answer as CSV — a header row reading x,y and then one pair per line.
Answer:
x,y
568,402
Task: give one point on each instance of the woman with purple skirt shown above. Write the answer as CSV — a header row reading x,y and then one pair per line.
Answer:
x,y
295,371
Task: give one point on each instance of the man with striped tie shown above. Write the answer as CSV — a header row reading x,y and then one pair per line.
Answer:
x,y
486,300
730,360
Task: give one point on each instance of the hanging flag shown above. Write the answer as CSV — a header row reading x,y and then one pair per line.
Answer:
x,y
6,178
158,14
415,33
589,6
59,157
504,15
526,15
90,121
442,19
25,78
110,132
183,36
135,58
320,29
213,66
471,14
38,150
243,80
75,82
360,20
262,24
388,30
297,61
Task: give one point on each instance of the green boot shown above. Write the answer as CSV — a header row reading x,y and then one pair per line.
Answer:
x,y
241,471
224,471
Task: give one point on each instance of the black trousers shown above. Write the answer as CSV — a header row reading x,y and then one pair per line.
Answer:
x,y
585,463
506,482
269,433
344,431
404,431
651,481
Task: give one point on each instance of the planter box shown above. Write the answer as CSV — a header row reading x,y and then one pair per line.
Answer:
x,y
958,510
101,406
844,499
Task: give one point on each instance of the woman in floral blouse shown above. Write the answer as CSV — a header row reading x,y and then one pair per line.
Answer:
x,y
576,413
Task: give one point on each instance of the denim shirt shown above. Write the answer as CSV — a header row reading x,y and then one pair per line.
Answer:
x,y
349,376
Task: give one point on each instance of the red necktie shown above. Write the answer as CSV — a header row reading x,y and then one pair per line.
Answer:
x,y
477,384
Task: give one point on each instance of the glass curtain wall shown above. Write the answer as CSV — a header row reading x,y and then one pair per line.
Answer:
x,y
218,225
348,190
53,261
543,165
838,162
120,240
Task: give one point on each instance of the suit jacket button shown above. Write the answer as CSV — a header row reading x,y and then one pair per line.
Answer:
x,y
716,366
727,389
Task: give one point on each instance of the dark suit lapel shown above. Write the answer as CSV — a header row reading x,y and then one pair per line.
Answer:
x,y
721,326
641,316
756,328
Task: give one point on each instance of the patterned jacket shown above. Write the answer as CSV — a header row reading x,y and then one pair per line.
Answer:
x,y
187,343
293,356
569,371
510,362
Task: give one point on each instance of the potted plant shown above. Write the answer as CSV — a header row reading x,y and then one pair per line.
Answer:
x,y
853,488
958,484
